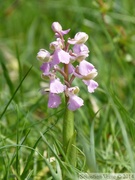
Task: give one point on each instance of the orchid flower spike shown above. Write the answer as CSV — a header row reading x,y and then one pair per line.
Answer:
x,y
65,62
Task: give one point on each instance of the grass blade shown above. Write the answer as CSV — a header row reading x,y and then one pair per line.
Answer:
x,y
15,93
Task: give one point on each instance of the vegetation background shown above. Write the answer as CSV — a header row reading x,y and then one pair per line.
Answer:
x,y
30,133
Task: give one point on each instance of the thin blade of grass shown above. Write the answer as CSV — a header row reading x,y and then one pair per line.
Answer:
x,y
92,149
6,75
19,71
15,92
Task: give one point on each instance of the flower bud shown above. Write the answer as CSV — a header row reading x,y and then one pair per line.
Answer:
x,y
43,55
80,38
56,27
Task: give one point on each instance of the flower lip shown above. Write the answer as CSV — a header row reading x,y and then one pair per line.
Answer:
x,y
85,68
56,86
54,100
91,85
75,102
85,72
45,68
60,56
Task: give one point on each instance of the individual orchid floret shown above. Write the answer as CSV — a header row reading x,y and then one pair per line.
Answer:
x,y
57,28
74,101
54,100
55,85
60,56
80,38
85,68
43,55
91,85
80,51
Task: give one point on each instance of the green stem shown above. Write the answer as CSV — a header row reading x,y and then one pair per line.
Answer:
x,y
69,134
69,137
68,127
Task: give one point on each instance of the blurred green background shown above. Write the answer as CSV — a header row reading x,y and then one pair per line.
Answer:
x,y
106,124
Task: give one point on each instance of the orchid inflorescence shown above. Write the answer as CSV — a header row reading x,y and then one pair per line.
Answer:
x,y
62,61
